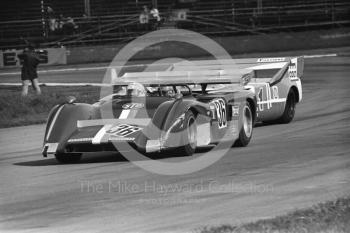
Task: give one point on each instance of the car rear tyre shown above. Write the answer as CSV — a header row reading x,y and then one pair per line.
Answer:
x,y
289,110
246,127
68,158
189,137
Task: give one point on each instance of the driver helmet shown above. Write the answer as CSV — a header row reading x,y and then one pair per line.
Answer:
x,y
168,91
136,89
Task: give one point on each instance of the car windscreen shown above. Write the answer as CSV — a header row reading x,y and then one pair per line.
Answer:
x,y
268,73
152,90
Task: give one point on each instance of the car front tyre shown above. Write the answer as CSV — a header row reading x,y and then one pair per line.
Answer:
x,y
189,142
246,127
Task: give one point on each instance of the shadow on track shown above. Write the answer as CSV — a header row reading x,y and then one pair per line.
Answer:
x,y
96,158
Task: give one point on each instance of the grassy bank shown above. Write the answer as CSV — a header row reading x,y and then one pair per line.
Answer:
x,y
17,111
329,217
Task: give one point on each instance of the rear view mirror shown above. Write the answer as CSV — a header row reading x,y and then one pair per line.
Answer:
x,y
70,99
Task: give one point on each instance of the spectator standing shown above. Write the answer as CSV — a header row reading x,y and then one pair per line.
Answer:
x,y
155,18
85,23
69,26
254,18
66,25
233,13
60,22
144,18
51,18
29,74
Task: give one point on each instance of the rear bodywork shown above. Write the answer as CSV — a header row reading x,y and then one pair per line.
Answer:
x,y
150,124
271,80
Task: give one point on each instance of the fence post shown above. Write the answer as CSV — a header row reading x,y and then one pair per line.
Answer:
x,y
87,8
155,3
333,16
43,23
259,6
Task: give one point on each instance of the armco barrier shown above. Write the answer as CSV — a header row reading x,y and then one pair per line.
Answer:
x,y
234,45
49,56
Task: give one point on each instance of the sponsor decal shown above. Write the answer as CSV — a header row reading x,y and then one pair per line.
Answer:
x,y
271,59
117,138
133,105
49,56
123,130
221,112
80,140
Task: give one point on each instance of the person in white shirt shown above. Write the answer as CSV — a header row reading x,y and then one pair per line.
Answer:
x,y
155,18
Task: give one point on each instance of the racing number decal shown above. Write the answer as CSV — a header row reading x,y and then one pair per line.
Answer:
x,y
275,92
221,112
267,95
292,70
123,130
133,105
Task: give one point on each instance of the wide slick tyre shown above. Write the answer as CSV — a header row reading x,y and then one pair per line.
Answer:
x,y
289,110
68,158
246,126
189,136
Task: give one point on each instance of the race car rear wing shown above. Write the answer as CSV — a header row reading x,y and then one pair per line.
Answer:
x,y
229,76
215,71
295,65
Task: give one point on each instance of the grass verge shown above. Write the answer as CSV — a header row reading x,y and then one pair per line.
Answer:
x,y
329,217
16,110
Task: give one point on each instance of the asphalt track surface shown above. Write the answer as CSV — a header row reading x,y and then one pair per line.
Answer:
x,y
285,167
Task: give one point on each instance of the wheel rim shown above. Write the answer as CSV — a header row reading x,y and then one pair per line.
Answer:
x,y
247,121
191,132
